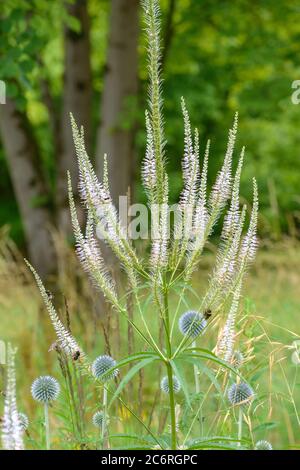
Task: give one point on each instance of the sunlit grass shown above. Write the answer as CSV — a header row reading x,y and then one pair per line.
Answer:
x,y
268,326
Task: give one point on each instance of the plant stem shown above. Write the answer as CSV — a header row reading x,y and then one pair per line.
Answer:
x,y
172,407
197,388
240,425
170,373
196,375
47,427
103,429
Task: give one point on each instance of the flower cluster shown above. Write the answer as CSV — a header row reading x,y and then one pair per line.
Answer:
x,y
12,429
45,389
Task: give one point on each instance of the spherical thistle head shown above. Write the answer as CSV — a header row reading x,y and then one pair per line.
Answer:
x,y
263,445
100,367
237,359
98,419
192,324
164,384
240,394
45,389
24,421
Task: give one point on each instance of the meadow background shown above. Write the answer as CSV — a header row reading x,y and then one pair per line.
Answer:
x,y
88,57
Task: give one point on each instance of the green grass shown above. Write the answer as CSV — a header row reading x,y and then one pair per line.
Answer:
x,y
268,325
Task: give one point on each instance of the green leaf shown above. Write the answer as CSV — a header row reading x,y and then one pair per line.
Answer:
x,y
218,442
142,439
131,373
181,378
265,426
209,356
206,371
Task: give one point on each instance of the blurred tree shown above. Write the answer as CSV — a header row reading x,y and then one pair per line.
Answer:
x,y
38,208
29,185
77,96
222,57
119,98
19,46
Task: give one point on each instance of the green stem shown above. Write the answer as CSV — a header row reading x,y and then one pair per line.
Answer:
x,y
47,427
172,407
196,373
197,388
103,428
240,425
170,372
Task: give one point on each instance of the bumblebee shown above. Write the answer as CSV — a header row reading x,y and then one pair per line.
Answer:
x,y
207,314
76,355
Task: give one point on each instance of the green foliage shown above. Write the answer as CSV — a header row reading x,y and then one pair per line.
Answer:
x,y
231,57
164,278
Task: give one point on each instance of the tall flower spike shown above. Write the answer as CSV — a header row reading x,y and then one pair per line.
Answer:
x,y
226,269
90,256
154,173
97,199
160,233
11,428
225,344
232,217
249,243
149,176
190,163
191,177
151,8
64,337
222,187
200,221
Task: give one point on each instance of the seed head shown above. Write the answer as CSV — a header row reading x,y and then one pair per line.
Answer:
x,y
45,389
240,394
192,324
98,419
24,421
100,367
263,445
164,384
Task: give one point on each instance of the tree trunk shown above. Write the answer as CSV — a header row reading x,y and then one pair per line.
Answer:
x,y
119,96
77,100
29,186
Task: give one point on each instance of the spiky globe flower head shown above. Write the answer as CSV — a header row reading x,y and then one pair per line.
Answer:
x,y
240,394
45,389
263,445
164,384
237,359
100,367
192,323
24,421
98,419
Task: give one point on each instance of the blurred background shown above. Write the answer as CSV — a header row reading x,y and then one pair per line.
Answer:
x,y
88,57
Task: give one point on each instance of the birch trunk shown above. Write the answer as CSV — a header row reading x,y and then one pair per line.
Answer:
x,y
30,189
119,93
77,100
